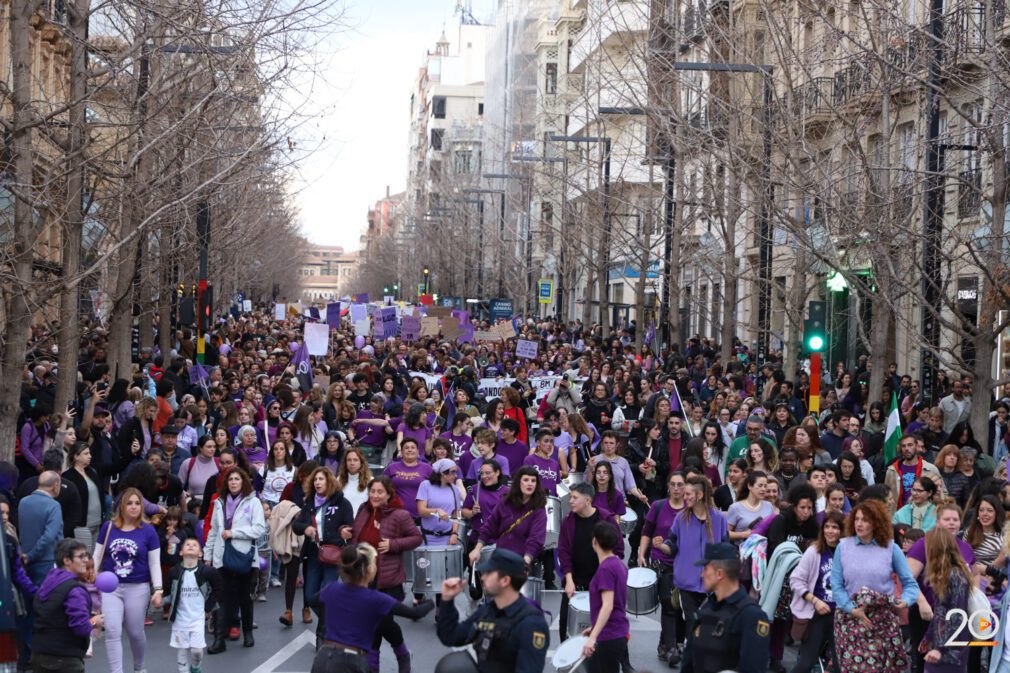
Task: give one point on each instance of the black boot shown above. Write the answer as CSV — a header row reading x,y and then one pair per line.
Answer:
x,y
218,646
247,638
220,633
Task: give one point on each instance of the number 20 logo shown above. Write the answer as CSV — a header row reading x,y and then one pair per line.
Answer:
x,y
983,625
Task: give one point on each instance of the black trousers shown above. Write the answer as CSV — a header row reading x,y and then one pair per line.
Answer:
x,y
609,657
237,597
388,628
916,631
690,601
291,582
820,636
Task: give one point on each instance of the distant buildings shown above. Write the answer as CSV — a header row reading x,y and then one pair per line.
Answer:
x,y
325,270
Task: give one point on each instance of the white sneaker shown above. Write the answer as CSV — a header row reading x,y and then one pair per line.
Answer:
x,y
262,598
276,582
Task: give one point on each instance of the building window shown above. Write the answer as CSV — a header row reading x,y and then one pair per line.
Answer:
x,y
480,109
438,107
551,84
462,161
436,138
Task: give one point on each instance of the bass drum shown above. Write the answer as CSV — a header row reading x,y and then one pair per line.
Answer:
x,y
433,565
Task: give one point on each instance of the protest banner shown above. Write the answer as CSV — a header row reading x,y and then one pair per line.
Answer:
x,y
333,315
429,326
280,311
317,338
527,349
410,328
486,336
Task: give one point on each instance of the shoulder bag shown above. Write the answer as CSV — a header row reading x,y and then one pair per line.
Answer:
x,y
234,560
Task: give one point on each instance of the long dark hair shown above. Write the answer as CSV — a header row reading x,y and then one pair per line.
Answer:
x,y
975,534
610,482
856,481
515,495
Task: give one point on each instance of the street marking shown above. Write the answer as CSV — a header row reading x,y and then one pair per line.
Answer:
x,y
271,665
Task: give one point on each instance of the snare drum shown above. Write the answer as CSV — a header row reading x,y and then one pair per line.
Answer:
x,y
485,553
433,565
568,657
553,522
578,614
628,522
643,591
533,589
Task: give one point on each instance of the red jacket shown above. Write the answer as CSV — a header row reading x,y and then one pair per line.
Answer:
x,y
517,414
397,526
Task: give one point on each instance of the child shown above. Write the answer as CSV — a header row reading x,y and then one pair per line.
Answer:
x,y
194,589
265,553
96,604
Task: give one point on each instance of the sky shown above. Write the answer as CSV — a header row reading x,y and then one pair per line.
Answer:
x,y
361,96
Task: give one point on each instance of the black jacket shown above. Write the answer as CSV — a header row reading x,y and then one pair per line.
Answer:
x,y
338,514
208,581
75,478
637,452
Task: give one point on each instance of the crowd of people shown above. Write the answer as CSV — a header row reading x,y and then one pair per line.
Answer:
x,y
187,492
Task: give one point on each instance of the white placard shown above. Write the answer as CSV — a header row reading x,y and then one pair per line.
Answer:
x,y
317,338
362,327
280,311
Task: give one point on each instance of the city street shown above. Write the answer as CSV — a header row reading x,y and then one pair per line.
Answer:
x,y
290,650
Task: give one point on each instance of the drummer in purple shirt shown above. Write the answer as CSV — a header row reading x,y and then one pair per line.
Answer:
x,y
576,535
483,497
485,439
607,644
519,523
550,472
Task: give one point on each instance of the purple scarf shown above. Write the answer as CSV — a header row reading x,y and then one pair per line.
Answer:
x,y
230,505
320,500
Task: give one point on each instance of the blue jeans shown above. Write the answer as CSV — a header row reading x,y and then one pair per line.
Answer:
x,y
317,575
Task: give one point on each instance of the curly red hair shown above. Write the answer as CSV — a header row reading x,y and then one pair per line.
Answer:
x,y
875,512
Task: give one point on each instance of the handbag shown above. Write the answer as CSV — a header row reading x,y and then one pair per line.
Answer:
x,y
234,560
329,554
979,603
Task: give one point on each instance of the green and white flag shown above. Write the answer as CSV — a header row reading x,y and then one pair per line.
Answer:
x,y
893,432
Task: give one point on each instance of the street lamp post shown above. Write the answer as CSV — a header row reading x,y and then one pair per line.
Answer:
x,y
606,195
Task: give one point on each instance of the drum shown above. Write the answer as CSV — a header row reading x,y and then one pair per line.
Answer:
x,y
463,529
533,589
568,657
575,478
578,614
485,553
628,521
433,565
553,522
643,591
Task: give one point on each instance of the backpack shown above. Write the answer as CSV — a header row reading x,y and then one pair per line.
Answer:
x,y
189,469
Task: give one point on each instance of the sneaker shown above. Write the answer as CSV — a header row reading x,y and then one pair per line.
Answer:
x,y
234,633
262,598
275,582
147,620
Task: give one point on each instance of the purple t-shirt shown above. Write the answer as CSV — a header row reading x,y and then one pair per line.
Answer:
x,y
473,472
612,575
918,552
550,472
368,434
612,503
460,444
126,552
657,522
445,498
406,481
353,613
488,500
907,479
515,452
420,435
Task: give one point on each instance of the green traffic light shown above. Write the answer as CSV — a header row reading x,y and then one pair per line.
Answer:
x,y
815,343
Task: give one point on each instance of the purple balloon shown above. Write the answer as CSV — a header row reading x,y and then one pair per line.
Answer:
x,y
107,582
264,563
359,342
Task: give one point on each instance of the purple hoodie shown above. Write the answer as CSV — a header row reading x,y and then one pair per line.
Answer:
x,y
526,538
77,605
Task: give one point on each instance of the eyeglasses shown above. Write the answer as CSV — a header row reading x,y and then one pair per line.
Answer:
x,y
83,557
918,490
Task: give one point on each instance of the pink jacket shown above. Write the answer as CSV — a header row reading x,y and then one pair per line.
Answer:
x,y
802,580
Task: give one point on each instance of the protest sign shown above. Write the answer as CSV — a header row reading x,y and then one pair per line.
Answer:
x,y
429,326
527,349
280,311
333,315
317,338
410,328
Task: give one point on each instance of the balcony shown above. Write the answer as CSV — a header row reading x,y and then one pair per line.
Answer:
x,y
610,25
969,193
811,101
964,30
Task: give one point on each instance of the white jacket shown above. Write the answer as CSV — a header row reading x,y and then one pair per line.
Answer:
x,y
247,526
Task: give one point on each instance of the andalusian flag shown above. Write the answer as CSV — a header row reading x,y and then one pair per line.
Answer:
x,y
893,432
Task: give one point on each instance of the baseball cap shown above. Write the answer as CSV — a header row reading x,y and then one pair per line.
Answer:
x,y
721,551
503,561
100,411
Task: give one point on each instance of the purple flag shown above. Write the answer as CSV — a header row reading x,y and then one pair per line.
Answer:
x,y
333,315
303,369
450,407
361,298
650,334
197,373
466,337
314,313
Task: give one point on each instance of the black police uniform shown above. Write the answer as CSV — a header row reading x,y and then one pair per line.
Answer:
x,y
729,635
513,640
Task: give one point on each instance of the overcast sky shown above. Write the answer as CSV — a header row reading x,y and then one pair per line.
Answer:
x,y
363,99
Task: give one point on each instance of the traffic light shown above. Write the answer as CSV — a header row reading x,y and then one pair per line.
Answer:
x,y
815,327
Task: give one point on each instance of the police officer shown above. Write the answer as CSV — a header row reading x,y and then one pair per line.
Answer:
x,y
731,631
508,633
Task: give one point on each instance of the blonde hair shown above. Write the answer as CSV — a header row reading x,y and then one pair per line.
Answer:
x,y
119,518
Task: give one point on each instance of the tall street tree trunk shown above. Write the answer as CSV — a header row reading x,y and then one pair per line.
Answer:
x,y
18,290
76,156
